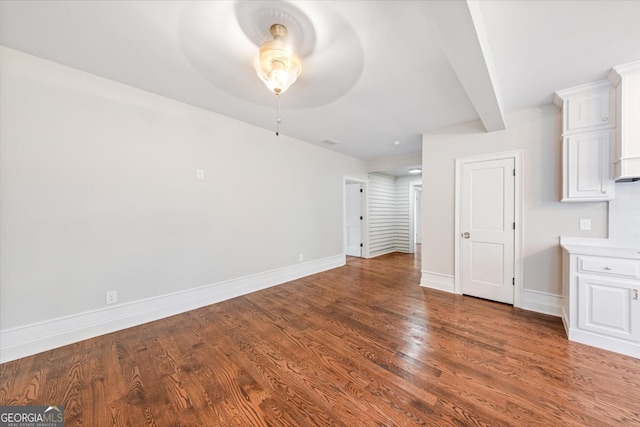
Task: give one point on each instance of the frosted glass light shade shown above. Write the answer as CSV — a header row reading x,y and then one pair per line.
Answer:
x,y
276,63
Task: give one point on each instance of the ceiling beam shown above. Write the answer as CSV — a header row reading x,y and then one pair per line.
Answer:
x,y
461,33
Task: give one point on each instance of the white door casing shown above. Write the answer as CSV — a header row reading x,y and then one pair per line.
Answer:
x,y
353,232
511,277
418,214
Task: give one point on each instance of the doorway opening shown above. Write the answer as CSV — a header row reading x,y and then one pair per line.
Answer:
x,y
417,217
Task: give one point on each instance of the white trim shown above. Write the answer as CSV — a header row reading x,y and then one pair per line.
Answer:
x,y
617,345
618,72
412,217
518,246
565,320
441,282
413,183
417,219
561,95
542,302
390,251
37,337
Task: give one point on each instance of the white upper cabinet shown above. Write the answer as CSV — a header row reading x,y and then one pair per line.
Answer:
x,y
591,110
587,107
588,121
626,160
586,161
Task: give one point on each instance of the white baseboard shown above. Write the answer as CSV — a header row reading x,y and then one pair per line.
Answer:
x,y
37,337
542,302
608,343
565,321
377,254
441,282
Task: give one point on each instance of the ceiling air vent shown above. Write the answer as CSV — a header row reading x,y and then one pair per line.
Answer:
x,y
328,142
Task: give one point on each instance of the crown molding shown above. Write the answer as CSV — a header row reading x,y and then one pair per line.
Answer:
x,y
618,72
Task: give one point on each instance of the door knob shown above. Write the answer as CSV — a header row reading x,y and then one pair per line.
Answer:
x,y
466,235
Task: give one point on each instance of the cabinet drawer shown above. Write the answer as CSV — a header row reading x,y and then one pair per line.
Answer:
x,y
609,266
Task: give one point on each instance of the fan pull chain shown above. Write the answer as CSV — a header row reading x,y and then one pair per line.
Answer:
x,y
278,114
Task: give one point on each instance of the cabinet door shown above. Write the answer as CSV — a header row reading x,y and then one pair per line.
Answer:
x,y
590,110
586,168
609,308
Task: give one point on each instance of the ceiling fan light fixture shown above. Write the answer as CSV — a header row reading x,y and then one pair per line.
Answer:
x,y
277,64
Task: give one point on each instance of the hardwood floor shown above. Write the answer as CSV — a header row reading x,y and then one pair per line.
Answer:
x,y
362,345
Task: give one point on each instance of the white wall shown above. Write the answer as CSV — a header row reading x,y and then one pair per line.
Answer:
x,y
394,163
98,192
537,132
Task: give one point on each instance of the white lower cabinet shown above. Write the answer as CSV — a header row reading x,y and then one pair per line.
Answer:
x,y
602,305
607,307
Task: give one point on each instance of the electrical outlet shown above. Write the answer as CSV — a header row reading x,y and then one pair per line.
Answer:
x,y
300,257
112,297
585,224
199,173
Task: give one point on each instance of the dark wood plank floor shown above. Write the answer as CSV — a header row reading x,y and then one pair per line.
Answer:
x,y
362,345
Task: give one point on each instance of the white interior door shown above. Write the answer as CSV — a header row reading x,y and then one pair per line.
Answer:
x,y
487,226
354,220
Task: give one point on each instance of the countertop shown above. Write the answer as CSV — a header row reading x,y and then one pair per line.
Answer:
x,y
631,253
597,247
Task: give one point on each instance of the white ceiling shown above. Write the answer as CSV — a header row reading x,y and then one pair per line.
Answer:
x,y
374,71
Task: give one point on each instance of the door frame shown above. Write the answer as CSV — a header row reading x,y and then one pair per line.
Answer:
x,y
518,267
364,230
417,212
413,182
